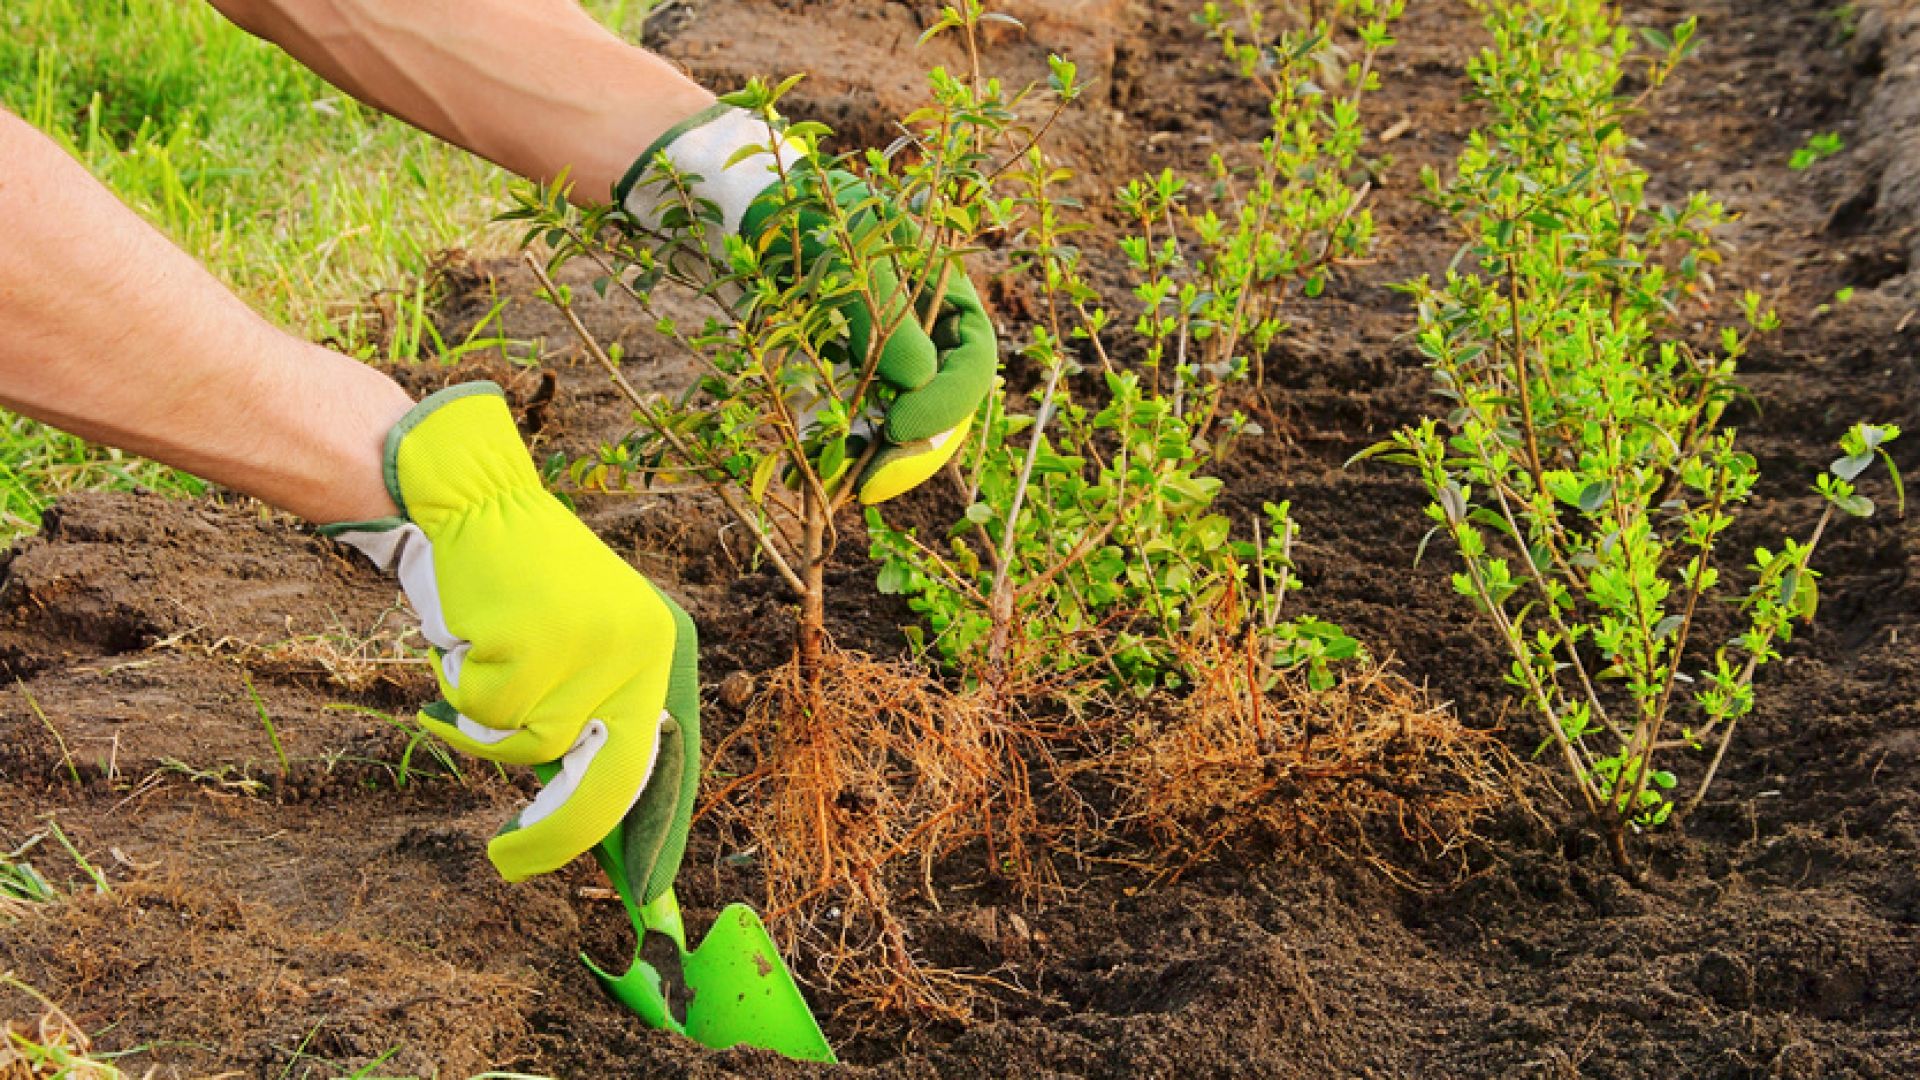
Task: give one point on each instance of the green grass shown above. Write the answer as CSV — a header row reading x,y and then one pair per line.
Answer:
x,y
38,463
319,211
266,721
417,737
21,885
54,1048
301,199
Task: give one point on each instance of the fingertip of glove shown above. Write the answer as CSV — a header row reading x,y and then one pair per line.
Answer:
x,y
517,860
925,414
899,469
908,367
609,785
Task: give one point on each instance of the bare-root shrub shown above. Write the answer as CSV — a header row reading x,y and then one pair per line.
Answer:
x,y
1261,757
1583,459
857,786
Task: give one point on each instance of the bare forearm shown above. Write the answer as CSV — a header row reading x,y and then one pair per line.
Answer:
x,y
533,85
114,334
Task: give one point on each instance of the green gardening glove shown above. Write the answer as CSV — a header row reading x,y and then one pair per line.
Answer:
x,y
548,647
939,378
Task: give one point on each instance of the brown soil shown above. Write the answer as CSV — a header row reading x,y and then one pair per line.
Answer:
x,y
309,920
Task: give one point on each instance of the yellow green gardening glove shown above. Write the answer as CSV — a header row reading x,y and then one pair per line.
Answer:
x,y
939,377
548,647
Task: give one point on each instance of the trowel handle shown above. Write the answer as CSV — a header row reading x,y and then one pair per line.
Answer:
x,y
640,987
663,917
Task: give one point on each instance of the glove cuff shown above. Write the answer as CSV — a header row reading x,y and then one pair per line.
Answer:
x,y
704,146
457,450
500,443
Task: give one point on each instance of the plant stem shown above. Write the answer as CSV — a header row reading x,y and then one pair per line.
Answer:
x,y
727,496
1521,376
1517,646
1746,674
811,643
1000,596
1679,648
845,491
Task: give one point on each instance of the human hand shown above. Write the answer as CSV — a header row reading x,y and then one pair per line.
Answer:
x,y
547,646
939,369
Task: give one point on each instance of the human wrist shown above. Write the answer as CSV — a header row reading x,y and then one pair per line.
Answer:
x,y
646,98
348,479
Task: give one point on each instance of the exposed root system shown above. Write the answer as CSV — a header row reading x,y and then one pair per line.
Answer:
x,y
862,780
1292,766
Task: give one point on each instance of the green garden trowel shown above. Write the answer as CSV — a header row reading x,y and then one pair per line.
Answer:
x,y
732,989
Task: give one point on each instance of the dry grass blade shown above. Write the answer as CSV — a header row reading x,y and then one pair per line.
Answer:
x,y
388,653
50,1047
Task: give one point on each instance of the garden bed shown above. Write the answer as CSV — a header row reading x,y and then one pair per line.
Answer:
x,y
299,919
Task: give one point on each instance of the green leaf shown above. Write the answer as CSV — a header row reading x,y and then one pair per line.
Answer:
x,y
743,154
1492,519
1211,531
1856,504
833,459
948,20
762,476
1379,449
1899,489
1851,466
787,84
1424,540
